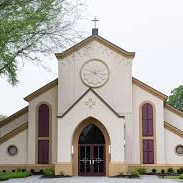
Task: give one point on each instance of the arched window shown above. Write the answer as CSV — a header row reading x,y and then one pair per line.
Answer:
x,y
43,131
147,134
147,120
91,134
43,121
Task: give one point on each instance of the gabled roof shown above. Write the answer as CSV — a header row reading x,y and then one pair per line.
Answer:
x,y
150,89
13,133
41,90
174,110
90,89
13,116
135,81
173,129
95,38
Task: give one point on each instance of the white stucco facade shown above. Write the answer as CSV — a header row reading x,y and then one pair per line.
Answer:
x,y
116,102
113,124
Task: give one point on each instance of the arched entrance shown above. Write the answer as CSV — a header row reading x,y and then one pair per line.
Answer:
x,y
91,149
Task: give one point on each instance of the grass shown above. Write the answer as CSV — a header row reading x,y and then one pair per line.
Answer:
x,y
171,177
12,175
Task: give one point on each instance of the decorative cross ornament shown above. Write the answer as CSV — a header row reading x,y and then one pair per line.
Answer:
x,y
95,22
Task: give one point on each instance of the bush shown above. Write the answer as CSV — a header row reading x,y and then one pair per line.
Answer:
x,y
120,173
141,171
180,170
11,175
154,170
41,171
32,171
135,174
181,176
170,170
163,171
48,172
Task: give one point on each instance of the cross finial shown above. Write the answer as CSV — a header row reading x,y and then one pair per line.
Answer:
x,y
95,22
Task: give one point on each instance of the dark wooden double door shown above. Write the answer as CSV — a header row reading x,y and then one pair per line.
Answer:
x,y
91,159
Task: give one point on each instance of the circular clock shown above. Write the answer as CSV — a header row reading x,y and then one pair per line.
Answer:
x,y
94,73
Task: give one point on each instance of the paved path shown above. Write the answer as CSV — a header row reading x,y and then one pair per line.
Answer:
x,y
144,179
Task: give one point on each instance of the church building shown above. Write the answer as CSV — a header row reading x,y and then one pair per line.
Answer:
x,y
96,119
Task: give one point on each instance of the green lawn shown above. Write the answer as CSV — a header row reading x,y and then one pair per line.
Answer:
x,y
171,177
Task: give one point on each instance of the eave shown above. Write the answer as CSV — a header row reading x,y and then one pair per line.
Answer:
x,y
100,40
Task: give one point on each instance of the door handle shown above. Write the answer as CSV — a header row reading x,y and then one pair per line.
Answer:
x,y
90,162
93,161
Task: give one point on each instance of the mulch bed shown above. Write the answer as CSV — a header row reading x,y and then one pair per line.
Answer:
x,y
124,176
54,176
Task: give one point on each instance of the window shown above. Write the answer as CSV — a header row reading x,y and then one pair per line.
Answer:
x,y
147,120
43,134
12,150
91,134
179,150
43,151
147,133
148,151
43,121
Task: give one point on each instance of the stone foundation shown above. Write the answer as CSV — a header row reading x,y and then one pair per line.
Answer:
x,y
116,168
63,168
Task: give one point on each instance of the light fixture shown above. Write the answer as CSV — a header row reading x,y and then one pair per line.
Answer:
x,y
109,149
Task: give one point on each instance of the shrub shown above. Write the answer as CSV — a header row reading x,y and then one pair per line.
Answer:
x,y
180,170
120,173
170,170
11,175
135,174
41,171
181,176
163,171
154,170
141,171
18,170
32,171
48,172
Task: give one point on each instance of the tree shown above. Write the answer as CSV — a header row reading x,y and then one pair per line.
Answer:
x,y
176,98
30,28
2,117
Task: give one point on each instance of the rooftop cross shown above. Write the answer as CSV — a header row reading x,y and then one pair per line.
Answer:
x,y
95,22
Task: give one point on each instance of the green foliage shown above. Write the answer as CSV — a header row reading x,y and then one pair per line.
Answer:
x,y
121,173
176,98
135,174
141,171
170,170
29,29
154,170
181,176
12,175
48,172
2,117
180,170
162,171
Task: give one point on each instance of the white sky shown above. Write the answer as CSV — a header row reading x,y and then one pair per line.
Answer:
x,y
151,28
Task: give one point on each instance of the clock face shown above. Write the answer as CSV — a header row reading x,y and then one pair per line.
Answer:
x,y
94,73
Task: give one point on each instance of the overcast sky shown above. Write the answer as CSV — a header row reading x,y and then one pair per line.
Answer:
x,y
151,28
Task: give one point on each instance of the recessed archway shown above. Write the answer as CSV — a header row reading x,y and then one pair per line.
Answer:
x,y
90,123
